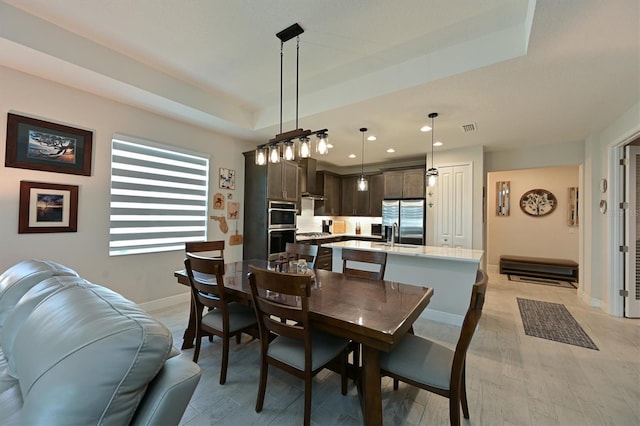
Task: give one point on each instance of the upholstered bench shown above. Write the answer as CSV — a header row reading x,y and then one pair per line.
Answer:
x,y
561,269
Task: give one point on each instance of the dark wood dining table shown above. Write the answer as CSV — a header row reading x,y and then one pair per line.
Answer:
x,y
374,313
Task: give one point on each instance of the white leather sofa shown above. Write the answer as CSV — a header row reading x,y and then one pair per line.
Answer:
x,y
76,353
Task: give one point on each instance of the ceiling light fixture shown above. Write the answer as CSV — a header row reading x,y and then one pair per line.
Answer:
x,y
284,144
363,183
432,173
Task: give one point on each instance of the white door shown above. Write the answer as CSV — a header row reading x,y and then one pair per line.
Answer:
x,y
632,234
454,206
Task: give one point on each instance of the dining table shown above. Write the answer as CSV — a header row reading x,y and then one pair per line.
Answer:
x,y
374,313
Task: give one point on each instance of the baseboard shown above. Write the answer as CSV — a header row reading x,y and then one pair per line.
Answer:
x,y
165,302
442,317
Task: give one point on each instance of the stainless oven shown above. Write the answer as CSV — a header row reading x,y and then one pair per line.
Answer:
x,y
281,214
278,239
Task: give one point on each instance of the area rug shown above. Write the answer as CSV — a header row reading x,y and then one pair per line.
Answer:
x,y
543,281
552,321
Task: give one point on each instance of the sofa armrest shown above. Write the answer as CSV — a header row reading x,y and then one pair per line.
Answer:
x,y
169,393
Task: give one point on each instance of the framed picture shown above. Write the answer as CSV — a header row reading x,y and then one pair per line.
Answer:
x,y
47,207
227,179
40,145
233,207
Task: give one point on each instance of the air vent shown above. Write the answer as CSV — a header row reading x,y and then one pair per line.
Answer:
x,y
471,127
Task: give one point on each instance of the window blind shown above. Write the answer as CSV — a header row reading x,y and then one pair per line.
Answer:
x,y
158,197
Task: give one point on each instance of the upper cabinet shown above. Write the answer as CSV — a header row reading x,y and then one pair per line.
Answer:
x,y
328,185
409,183
362,203
282,181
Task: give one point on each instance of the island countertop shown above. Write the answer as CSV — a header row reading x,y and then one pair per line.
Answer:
x,y
458,254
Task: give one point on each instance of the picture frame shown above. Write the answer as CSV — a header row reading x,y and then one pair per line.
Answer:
x,y
233,209
47,207
40,145
227,179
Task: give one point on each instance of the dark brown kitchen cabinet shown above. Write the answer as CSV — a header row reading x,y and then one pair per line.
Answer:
x,y
376,194
353,202
282,181
328,185
409,183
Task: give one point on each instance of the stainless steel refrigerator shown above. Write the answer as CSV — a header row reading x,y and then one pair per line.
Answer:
x,y
409,214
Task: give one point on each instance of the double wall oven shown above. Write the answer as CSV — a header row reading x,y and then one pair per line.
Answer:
x,y
282,220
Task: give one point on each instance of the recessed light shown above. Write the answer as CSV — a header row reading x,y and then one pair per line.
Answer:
x,y
371,138
391,150
437,143
329,145
352,156
425,128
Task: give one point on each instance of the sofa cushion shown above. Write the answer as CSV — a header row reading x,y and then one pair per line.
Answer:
x,y
21,311
85,355
18,279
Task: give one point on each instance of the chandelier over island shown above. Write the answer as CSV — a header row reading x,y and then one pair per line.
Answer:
x,y
283,145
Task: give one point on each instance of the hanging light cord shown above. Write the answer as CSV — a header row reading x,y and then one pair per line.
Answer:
x,y
362,159
297,72
432,132
281,71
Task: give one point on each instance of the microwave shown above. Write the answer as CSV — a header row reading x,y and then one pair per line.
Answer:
x,y
282,214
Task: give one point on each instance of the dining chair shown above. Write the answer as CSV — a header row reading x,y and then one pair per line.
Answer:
x,y
308,252
431,366
223,318
372,257
281,302
216,247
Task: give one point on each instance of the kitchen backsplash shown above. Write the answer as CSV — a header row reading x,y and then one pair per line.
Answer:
x,y
307,222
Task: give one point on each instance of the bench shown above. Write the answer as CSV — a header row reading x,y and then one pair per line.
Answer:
x,y
561,269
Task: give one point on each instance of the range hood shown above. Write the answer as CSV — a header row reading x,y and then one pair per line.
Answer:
x,y
307,181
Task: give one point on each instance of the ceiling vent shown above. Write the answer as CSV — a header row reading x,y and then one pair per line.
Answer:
x,y
471,127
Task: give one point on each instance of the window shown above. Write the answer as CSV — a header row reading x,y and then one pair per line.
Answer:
x,y
158,197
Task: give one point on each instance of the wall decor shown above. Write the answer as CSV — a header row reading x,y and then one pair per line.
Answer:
x,y
572,207
222,223
538,202
233,207
603,185
227,179
47,207
41,145
502,198
218,201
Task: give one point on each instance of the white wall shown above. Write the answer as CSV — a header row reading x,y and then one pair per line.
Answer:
x,y
522,235
141,278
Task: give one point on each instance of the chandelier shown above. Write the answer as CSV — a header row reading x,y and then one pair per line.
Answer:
x,y
285,144
363,183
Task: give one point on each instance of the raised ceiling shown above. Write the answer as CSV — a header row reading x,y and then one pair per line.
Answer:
x,y
525,73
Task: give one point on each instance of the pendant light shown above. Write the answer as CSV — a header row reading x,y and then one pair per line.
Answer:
x,y
284,143
432,173
363,183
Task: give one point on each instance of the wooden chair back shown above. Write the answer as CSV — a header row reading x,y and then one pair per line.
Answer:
x,y
308,252
206,294
215,247
469,325
373,257
281,302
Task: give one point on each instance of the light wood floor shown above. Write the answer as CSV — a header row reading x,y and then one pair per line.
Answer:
x,y
512,379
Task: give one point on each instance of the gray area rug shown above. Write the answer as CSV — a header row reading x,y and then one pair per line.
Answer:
x,y
552,321
543,281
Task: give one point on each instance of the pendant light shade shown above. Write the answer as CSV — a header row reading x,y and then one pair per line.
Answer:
x,y
304,148
363,183
289,153
322,146
274,153
432,172
261,156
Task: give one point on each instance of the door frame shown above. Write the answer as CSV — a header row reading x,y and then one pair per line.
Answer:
x,y
615,223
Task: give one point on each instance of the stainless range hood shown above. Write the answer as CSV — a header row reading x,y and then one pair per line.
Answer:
x,y
307,180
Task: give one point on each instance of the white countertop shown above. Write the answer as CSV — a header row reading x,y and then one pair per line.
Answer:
x,y
324,237
458,254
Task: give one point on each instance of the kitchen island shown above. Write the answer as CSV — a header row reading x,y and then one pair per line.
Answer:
x,y
451,273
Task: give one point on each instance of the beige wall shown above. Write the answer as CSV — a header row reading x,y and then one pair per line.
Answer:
x,y
523,235
142,278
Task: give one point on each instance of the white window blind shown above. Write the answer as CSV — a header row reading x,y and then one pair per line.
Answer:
x,y
158,197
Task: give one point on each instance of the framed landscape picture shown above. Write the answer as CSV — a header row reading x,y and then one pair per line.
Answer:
x,y
40,145
47,207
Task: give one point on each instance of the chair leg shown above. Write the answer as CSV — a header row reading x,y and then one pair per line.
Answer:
x,y
454,408
196,351
238,338
395,383
463,395
307,398
262,387
225,359
343,371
